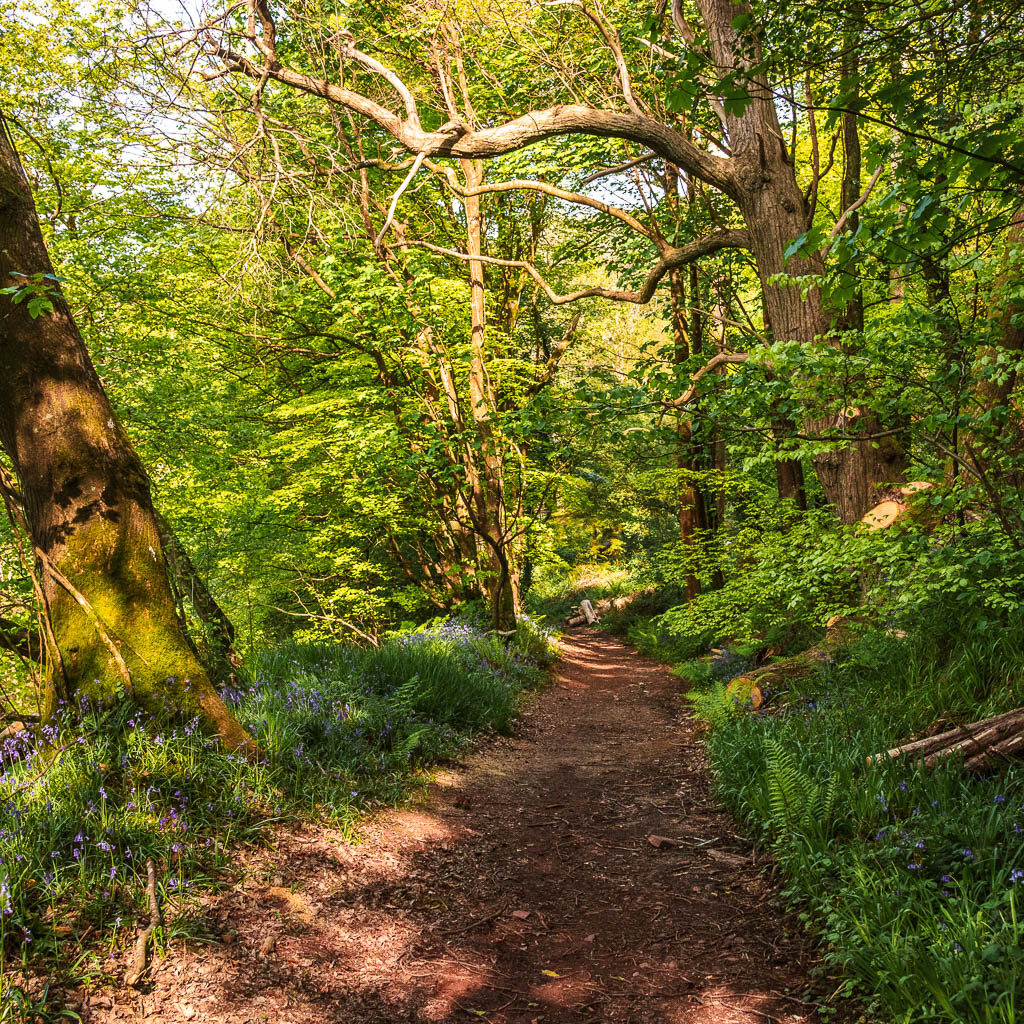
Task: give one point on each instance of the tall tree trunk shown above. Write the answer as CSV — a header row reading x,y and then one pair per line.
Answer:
x,y
774,211
488,497
87,500
852,317
683,346
789,473
1009,334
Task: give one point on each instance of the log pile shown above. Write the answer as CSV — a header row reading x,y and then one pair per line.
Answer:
x,y
983,744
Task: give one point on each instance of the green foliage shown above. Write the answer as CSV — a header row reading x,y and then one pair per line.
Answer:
x,y
912,877
38,292
90,797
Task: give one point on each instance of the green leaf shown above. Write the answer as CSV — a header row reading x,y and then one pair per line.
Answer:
x,y
794,247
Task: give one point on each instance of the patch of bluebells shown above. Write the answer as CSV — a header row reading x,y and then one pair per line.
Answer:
x,y
86,798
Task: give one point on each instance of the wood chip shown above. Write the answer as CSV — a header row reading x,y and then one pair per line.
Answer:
x,y
659,841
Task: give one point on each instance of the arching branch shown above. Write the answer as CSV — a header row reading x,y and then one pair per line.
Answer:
x,y
458,140
728,238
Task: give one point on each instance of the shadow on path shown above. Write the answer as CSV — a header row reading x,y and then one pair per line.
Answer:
x,y
524,888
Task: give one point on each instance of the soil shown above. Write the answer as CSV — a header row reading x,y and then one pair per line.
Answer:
x,y
579,871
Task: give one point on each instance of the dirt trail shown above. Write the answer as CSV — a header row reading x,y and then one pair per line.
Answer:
x,y
523,889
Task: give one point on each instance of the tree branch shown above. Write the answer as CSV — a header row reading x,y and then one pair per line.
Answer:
x,y
728,238
850,210
460,141
709,367
542,186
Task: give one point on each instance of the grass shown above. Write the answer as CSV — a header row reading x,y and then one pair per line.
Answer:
x,y
556,597
86,799
913,878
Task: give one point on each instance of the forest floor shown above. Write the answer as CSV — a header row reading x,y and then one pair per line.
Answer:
x,y
576,872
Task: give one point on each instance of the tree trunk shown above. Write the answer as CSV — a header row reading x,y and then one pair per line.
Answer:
x,y
775,213
217,652
789,473
852,317
488,497
684,345
87,500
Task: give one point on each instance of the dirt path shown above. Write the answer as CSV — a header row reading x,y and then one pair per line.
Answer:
x,y
525,889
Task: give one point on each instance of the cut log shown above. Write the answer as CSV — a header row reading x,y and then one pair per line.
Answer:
x,y
900,507
778,673
982,744
588,612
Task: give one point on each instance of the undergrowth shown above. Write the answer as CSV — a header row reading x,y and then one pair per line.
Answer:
x,y
88,798
913,877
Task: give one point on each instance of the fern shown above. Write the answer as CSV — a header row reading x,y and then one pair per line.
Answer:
x,y
714,706
796,804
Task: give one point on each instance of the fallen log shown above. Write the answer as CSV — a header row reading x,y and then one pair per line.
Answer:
x,y
751,685
982,744
588,612
608,604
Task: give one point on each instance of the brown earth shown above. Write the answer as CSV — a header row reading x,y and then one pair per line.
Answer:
x,y
525,887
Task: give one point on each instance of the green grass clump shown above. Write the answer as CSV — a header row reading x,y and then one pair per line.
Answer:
x,y
914,878
87,798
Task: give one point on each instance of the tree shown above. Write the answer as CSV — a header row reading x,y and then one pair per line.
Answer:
x,y
86,497
758,176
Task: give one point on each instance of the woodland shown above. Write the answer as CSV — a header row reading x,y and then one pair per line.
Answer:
x,y
350,351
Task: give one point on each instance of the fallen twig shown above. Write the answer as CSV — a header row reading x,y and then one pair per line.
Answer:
x,y
138,967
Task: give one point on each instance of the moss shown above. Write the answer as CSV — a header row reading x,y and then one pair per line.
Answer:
x,y
119,568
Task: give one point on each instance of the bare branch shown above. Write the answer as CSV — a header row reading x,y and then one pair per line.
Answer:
x,y
460,141
618,168
420,157
709,367
729,238
851,209
517,184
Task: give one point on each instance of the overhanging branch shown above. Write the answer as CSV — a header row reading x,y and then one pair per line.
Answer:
x,y
672,259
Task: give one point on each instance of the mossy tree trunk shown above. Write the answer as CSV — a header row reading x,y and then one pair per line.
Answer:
x,y
86,499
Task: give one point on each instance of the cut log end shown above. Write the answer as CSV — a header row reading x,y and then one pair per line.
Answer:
x,y
883,515
742,688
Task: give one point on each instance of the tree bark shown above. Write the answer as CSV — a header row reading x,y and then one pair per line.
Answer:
x,y
87,500
773,208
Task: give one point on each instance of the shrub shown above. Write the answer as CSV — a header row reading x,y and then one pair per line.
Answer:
x,y
913,878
